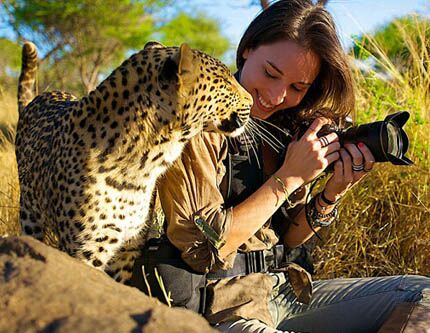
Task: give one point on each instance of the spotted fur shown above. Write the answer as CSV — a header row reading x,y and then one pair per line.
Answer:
x,y
88,167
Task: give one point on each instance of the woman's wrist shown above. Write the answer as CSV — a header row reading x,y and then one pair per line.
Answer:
x,y
292,182
328,198
323,207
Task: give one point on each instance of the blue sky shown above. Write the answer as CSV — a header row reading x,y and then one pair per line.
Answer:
x,y
351,16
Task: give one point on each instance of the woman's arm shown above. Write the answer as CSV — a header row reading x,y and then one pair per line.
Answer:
x,y
304,161
343,178
250,215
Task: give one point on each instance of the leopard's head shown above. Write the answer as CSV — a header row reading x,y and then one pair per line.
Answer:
x,y
208,97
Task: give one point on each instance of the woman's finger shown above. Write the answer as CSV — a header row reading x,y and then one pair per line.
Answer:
x,y
331,148
369,159
314,128
333,157
357,157
347,166
338,171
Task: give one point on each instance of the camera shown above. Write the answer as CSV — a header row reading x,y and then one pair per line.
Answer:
x,y
386,139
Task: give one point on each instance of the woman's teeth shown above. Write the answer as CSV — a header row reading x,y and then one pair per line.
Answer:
x,y
264,103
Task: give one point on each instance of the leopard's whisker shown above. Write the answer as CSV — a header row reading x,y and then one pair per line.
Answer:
x,y
250,143
262,135
262,128
245,139
254,138
253,129
283,130
258,131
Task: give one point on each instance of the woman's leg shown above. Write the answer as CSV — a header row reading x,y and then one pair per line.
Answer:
x,y
246,326
346,305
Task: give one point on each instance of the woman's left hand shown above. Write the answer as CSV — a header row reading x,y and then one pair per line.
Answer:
x,y
354,163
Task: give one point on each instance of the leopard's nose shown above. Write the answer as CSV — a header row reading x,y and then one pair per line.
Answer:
x,y
231,124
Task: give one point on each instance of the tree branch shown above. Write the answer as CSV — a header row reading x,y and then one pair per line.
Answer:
x,y
12,22
264,3
53,50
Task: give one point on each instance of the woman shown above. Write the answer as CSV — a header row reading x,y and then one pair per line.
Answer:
x,y
218,208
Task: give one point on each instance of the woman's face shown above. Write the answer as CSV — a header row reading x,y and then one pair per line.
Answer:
x,y
278,75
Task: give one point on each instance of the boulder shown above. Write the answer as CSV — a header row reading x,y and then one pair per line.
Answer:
x,y
45,290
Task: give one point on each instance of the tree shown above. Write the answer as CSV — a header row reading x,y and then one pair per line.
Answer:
x,y
198,31
90,34
81,40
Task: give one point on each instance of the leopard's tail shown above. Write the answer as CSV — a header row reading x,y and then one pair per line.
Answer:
x,y
27,85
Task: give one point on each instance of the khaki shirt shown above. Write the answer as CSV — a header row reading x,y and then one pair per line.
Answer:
x,y
190,190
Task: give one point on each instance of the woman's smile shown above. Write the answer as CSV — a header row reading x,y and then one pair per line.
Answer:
x,y
263,104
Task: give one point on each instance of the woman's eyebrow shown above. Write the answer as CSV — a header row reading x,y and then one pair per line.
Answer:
x,y
274,67
281,73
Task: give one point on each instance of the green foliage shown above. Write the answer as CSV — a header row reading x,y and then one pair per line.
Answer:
x,y
10,61
84,36
394,40
88,38
198,31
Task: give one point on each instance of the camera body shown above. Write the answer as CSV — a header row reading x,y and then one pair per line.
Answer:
x,y
386,139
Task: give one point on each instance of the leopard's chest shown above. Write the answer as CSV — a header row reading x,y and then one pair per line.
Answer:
x,y
126,209
161,156
123,195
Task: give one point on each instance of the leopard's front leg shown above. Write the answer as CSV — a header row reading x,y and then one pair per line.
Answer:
x,y
120,267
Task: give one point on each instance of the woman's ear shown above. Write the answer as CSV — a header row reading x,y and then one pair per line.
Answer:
x,y
245,54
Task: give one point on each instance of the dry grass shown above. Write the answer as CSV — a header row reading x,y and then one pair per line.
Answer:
x,y
9,185
9,189
384,226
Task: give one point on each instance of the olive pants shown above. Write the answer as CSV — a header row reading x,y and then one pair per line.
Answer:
x,y
338,305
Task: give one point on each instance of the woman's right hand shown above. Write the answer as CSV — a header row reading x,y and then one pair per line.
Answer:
x,y
307,157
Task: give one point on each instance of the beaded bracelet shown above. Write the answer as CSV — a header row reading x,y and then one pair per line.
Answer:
x,y
319,219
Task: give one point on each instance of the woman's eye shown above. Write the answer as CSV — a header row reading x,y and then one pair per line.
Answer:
x,y
269,75
298,89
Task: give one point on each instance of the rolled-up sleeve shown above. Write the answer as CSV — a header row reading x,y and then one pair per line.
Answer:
x,y
197,221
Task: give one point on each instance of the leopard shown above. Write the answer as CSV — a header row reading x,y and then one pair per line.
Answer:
x,y
88,167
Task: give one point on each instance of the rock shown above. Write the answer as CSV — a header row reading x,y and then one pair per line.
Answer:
x,y
45,290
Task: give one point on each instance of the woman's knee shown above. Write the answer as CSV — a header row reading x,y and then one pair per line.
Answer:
x,y
415,288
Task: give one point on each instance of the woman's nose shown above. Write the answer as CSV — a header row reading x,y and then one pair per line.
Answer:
x,y
277,95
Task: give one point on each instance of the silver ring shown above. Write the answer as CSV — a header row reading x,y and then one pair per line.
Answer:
x,y
357,167
324,141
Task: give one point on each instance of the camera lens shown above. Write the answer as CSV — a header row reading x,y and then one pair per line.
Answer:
x,y
394,139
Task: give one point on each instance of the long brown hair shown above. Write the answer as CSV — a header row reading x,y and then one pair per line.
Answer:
x,y
312,27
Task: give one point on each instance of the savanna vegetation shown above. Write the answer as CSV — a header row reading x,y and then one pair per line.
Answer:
x,y
384,228
384,225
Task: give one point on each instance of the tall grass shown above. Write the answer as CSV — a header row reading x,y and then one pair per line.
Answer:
x,y
9,186
384,225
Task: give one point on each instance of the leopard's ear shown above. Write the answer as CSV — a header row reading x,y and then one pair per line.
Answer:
x,y
179,68
153,45
186,68
186,57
